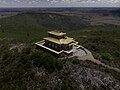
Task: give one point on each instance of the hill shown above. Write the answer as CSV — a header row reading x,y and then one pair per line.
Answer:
x,y
23,67
35,25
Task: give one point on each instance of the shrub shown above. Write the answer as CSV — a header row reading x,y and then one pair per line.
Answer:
x,y
48,61
106,56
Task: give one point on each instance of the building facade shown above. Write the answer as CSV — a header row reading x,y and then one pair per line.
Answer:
x,y
57,42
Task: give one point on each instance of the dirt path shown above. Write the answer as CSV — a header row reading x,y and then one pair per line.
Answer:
x,y
91,58
84,54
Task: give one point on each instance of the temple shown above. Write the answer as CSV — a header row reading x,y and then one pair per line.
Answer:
x,y
57,42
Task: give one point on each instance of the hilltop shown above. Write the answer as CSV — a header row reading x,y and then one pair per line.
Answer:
x,y
21,25
36,24
22,66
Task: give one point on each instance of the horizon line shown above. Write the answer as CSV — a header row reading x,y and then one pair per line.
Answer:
x,y
61,7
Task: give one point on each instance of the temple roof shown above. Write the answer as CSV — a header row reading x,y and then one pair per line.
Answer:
x,y
66,40
57,33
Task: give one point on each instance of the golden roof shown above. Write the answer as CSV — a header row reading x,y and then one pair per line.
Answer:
x,y
66,40
57,33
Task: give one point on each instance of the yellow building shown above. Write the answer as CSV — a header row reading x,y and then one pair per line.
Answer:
x,y
57,42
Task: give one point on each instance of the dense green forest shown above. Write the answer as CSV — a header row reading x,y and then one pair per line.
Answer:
x,y
23,67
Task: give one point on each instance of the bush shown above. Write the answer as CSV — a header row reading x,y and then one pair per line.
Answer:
x,y
48,61
106,56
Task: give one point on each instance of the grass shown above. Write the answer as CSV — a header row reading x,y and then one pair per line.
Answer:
x,y
103,41
31,27
17,70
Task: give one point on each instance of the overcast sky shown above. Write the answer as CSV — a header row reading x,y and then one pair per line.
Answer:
x,y
59,3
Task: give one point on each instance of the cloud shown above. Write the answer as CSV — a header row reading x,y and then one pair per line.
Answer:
x,y
87,1
48,3
109,1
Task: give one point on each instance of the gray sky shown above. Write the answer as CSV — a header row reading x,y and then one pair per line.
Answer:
x,y
59,3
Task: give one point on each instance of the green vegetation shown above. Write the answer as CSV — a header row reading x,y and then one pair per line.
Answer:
x,y
17,69
104,42
20,69
32,27
48,61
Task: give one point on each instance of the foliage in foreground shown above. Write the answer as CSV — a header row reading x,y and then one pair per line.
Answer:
x,y
17,68
34,69
103,42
